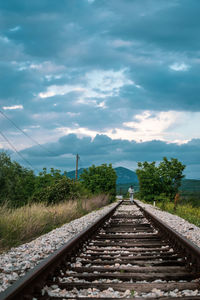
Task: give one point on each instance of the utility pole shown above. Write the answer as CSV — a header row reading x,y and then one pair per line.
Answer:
x,y
77,158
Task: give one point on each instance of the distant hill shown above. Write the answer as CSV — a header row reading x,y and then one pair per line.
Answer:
x,y
190,185
72,174
124,175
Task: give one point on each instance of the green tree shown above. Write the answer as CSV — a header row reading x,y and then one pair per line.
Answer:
x,y
54,187
19,185
171,173
16,182
45,179
162,180
100,179
149,180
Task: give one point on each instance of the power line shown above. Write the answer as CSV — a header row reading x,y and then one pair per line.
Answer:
x,y
13,147
32,139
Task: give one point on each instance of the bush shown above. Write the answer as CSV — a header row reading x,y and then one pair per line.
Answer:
x,y
61,190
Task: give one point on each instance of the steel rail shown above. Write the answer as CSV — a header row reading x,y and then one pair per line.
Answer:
x,y
35,278
189,250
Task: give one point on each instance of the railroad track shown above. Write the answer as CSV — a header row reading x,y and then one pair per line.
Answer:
x,y
126,254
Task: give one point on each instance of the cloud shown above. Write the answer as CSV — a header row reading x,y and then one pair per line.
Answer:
x,y
59,90
79,131
153,125
16,28
179,67
102,149
147,126
107,81
97,84
118,43
159,25
101,47
13,107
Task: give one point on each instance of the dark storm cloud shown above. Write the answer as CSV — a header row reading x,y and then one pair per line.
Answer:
x,y
116,150
172,25
63,33
102,149
46,28
18,85
164,89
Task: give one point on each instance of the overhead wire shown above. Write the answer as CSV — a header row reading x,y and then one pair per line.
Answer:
x,y
26,134
13,147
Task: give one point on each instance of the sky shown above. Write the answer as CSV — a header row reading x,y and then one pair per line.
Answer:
x,y
116,81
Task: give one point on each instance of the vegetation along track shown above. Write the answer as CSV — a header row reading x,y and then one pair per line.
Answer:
x,y
126,254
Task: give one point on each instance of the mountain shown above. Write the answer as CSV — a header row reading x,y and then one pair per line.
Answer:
x,y
124,175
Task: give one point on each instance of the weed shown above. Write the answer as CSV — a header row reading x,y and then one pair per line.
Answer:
x,y
132,293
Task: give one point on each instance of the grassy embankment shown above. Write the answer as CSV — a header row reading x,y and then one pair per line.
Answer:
x,y
188,207
24,224
184,210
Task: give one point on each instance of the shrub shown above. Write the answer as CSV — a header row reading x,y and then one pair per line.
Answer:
x,y
61,190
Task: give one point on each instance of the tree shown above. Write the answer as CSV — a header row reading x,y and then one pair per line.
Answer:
x,y
54,187
19,185
149,180
171,173
100,179
16,182
163,180
45,179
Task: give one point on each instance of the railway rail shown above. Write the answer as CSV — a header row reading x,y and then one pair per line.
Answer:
x,y
128,253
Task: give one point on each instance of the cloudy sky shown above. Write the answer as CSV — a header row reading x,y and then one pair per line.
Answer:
x,y
116,81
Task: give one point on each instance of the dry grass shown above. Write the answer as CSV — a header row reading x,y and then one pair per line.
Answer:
x,y
95,202
26,223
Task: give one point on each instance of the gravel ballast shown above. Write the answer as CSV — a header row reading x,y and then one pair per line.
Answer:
x,y
188,230
17,261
